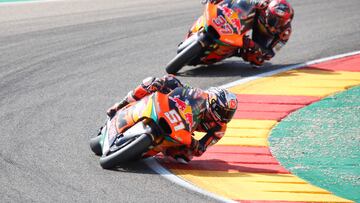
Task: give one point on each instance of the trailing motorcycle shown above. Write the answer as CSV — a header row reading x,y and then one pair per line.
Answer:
x,y
216,35
146,127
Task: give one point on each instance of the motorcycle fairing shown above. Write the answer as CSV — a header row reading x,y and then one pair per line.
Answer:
x,y
225,18
125,119
155,107
225,21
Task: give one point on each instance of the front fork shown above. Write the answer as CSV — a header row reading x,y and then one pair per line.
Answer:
x,y
204,39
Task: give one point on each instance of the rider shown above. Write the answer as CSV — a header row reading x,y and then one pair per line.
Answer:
x,y
270,21
219,108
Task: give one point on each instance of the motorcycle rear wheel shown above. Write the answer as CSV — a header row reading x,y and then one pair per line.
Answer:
x,y
184,57
131,151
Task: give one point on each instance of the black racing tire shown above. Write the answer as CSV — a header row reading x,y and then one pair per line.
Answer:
x,y
130,152
184,57
95,145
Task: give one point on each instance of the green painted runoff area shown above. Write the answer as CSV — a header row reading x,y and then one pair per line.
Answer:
x,y
321,143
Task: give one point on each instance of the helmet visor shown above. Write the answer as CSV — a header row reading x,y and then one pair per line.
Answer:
x,y
272,23
222,114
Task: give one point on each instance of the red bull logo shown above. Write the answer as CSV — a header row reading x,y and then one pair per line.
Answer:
x,y
180,104
233,17
189,119
185,110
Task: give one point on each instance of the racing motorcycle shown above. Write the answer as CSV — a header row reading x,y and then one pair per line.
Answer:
x,y
216,35
146,127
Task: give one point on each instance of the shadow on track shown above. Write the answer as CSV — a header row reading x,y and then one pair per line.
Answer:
x,y
134,167
218,165
229,68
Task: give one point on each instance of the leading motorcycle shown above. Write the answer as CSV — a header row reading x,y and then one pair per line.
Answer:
x,y
216,35
147,127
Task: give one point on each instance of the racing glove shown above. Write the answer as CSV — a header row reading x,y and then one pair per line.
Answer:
x,y
197,147
117,106
253,53
152,84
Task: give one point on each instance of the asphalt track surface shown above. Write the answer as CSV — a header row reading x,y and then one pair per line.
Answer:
x,y
63,63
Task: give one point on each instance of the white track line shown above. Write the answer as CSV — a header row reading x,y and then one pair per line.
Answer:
x,y
286,68
155,166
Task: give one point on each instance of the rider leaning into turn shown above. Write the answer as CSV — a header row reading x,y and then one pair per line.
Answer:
x,y
270,22
219,108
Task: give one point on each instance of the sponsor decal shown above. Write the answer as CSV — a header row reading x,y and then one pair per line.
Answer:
x,y
220,22
174,118
112,132
189,118
180,104
232,104
232,17
185,110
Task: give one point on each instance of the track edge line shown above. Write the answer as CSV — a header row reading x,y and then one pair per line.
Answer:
x,y
286,68
154,165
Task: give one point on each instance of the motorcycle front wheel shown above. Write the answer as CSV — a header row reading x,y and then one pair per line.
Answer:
x,y
95,145
132,151
184,57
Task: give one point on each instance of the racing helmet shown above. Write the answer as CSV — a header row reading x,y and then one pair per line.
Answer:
x,y
277,14
221,104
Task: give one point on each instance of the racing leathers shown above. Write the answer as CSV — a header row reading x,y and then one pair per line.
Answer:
x,y
214,130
